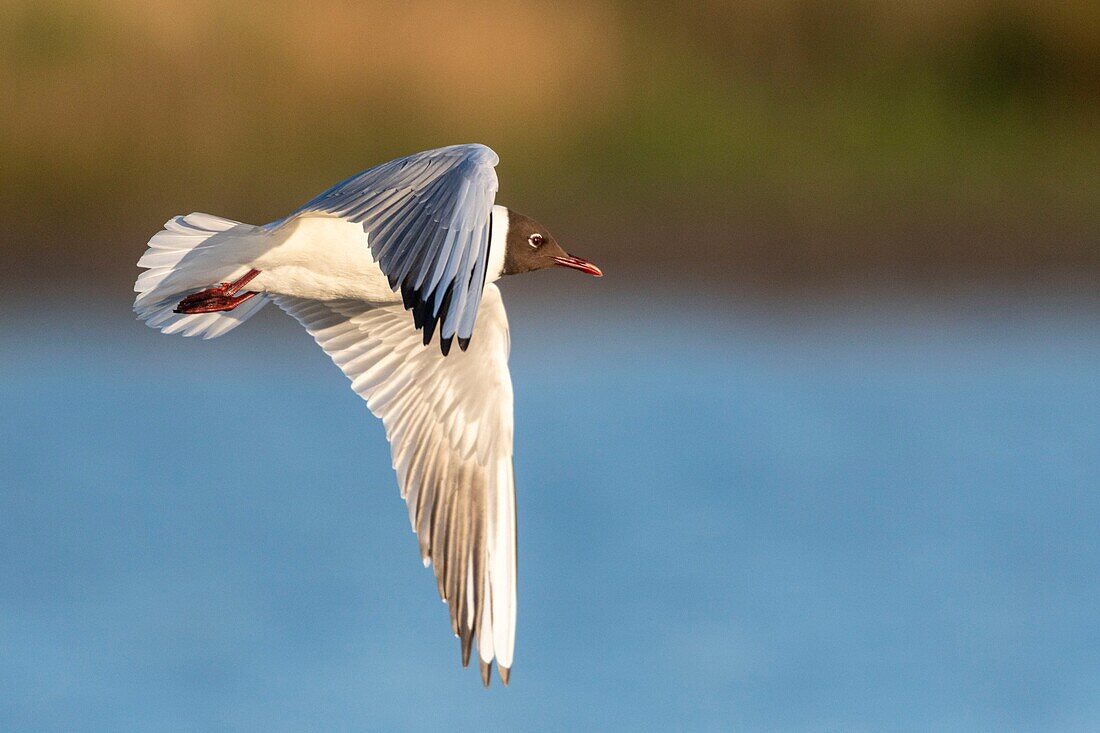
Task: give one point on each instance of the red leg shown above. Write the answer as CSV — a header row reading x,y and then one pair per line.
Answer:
x,y
234,287
222,297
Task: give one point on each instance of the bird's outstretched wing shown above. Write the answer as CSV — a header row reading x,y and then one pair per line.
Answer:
x,y
449,423
427,217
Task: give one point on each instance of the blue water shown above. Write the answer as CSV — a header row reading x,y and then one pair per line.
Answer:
x,y
877,518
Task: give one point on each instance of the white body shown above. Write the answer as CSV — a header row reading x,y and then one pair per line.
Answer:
x,y
320,258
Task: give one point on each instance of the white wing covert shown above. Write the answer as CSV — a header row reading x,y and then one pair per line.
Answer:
x,y
449,424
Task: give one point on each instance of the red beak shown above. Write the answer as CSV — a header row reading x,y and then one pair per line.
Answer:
x,y
577,263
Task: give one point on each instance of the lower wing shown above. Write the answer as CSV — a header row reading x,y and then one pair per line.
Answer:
x,y
449,424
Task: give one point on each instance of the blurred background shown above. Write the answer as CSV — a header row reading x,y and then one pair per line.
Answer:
x,y
832,429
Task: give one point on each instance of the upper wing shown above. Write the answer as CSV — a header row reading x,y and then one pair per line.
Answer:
x,y
427,220
449,423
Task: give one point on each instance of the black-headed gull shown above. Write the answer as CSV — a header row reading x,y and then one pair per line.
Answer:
x,y
418,234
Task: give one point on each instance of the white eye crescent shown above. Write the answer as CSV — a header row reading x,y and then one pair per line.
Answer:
x,y
535,240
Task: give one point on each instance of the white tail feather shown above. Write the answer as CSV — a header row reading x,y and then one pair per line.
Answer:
x,y
192,253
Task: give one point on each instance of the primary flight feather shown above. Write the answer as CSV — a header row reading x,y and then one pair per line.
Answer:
x,y
377,268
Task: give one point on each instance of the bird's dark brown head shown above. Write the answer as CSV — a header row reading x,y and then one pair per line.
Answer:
x,y
530,247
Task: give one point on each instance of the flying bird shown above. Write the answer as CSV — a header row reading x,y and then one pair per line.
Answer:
x,y
392,273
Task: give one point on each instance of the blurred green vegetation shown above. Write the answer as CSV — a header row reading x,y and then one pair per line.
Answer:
x,y
758,143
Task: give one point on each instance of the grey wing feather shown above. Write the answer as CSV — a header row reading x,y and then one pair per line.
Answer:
x,y
427,218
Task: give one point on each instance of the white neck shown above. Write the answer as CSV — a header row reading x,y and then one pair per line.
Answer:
x,y
498,243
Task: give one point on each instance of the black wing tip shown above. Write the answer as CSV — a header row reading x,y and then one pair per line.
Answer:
x,y
429,330
409,297
467,647
486,671
427,321
417,308
423,318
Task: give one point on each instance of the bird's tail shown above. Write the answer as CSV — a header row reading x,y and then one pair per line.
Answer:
x,y
190,254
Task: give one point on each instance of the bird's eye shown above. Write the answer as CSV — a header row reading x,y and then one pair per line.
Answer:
x,y
535,240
